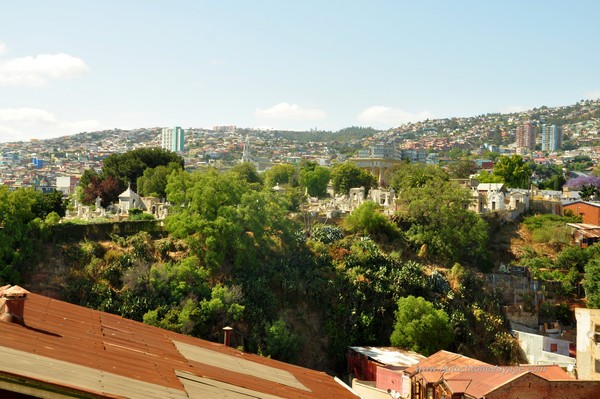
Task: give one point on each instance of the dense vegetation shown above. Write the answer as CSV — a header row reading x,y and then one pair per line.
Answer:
x,y
235,255
147,167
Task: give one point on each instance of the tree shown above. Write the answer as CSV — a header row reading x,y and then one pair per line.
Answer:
x,y
514,171
367,219
154,180
591,283
434,215
247,171
129,166
283,174
20,214
315,179
87,177
46,203
486,177
415,175
421,327
227,222
347,175
588,192
280,343
107,188
588,186
462,169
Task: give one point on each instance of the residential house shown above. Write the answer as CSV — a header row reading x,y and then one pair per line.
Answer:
x,y
584,234
543,350
53,349
375,371
447,375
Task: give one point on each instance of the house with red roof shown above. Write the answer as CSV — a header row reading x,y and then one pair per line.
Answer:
x,y
447,375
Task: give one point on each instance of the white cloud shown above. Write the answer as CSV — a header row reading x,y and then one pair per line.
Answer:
x,y
21,124
290,112
26,115
2,48
386,116
219,62
40,69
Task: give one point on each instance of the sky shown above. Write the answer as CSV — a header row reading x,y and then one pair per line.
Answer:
x,y
68,66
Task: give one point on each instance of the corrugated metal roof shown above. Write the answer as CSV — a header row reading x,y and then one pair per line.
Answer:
x,y
390,356
476,378
73,347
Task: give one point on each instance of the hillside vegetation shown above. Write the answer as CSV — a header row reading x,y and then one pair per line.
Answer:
x,y
291,289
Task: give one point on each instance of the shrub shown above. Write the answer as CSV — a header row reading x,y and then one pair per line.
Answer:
x,y
327,234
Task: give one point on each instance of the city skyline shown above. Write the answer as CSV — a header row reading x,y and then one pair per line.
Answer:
x,y
68,67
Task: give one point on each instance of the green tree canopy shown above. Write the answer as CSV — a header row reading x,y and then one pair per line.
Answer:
x,y
368,220
347,175
21,214
247,171
154,180
129,166
421,327
462,169
435,216
283,174
591,283
315,179
416,175
513,170
225,220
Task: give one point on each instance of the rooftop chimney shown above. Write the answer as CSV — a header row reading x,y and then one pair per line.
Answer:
x,y
12,304
227,339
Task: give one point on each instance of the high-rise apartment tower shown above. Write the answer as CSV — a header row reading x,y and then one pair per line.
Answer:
x,y
551,138
173,139
526,136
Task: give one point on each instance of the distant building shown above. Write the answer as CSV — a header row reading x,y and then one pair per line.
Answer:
x,y
416,155
246,154
526,136
173,139
226,128
551,138
38,163
380,373
66,184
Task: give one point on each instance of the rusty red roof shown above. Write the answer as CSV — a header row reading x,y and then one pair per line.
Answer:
x,y
462,374
71,348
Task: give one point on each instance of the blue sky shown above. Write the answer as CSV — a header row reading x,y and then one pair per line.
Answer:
x,y
71,66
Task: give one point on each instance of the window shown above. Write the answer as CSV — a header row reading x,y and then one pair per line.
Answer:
x,y
553,347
